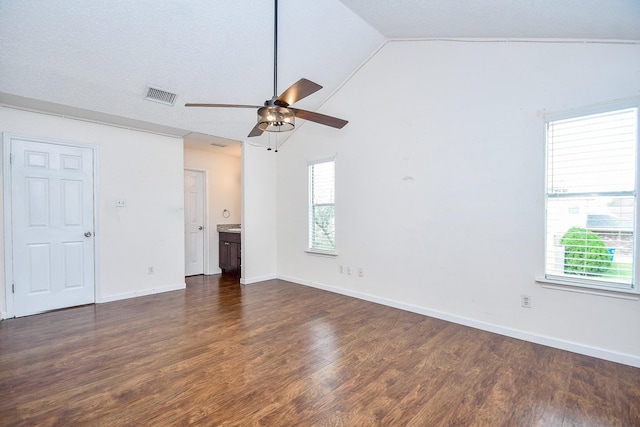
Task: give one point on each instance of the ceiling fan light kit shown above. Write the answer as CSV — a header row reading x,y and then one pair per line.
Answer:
x,y
276,115
276,119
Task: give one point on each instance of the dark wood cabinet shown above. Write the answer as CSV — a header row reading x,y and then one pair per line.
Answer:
x,y
230,259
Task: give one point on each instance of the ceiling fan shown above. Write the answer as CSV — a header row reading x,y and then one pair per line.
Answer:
x,y
277,115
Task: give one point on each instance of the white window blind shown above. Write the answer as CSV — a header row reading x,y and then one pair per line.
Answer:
x,y
322,206
591,199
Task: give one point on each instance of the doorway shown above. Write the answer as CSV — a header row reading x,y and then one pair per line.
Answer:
x,y
195,232
50,232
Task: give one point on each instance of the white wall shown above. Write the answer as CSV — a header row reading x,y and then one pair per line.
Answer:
x,y
144,169
440,183
258,214
224,183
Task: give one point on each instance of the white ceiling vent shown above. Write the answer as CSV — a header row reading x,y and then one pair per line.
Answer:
x,y
161,96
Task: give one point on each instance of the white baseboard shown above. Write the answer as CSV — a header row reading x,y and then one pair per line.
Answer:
x,y
252,280
3,315
626,359
141,293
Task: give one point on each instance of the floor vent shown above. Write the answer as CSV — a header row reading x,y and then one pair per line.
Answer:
x,y
161,96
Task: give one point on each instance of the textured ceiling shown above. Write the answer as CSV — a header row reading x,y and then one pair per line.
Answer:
x,y
100,56
95,59
574,19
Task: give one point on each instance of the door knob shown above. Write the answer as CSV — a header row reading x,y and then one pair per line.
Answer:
x,y
87,234
200,228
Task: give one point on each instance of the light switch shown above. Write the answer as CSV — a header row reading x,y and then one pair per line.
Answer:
x,y
120,203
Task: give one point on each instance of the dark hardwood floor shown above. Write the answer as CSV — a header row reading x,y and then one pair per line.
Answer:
x,y
280,354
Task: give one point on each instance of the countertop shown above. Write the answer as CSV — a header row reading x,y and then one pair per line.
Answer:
x,y
229,228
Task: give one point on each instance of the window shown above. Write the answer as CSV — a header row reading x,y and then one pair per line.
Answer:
x,y
322,206
591,199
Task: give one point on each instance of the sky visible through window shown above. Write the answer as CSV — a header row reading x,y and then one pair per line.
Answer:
x,y
593,153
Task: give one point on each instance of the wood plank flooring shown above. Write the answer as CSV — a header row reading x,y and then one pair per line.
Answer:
x,y
280,354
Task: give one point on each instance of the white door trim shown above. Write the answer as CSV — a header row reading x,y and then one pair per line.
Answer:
x,y
7,209
207,234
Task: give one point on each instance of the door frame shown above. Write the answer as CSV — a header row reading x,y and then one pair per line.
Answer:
x,y
7,208
205,219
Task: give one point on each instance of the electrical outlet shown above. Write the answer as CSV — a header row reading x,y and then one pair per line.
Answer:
x,y
349,271
121,203
525,300
151,270
361,272
341,268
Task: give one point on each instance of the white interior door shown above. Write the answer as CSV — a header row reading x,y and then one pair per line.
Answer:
x,y
194,231
52,213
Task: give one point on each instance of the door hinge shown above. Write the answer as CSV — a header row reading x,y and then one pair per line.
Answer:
x,y
11,158
13,288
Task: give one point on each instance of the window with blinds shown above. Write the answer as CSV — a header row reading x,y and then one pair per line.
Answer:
x,y
591,199
322,206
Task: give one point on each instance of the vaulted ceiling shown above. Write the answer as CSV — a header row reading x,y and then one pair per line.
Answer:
x,y
95,60
543,19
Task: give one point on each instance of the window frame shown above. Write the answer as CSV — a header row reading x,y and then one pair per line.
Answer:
x,y
578,283
310,205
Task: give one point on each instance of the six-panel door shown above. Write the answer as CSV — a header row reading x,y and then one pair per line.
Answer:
x,y
52,226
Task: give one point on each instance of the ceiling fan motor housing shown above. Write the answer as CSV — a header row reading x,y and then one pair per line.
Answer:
x,y
275,119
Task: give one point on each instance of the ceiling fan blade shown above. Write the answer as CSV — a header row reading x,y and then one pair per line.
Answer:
x,y
222,105
256,131
319,118
300,89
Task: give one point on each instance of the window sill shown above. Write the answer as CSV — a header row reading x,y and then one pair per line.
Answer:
x,y
321,252
568,286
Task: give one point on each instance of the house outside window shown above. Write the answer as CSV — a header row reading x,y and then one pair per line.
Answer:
x,y
591,198
322,206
